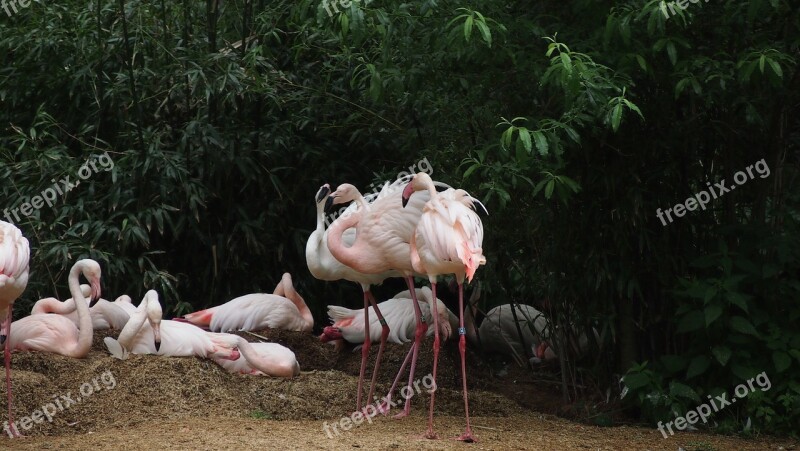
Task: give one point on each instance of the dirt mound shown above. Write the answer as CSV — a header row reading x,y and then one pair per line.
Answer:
x,y
100,392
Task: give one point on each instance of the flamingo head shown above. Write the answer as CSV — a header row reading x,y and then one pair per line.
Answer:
x,y
344,193
91,270
419,182
545,352
323,192
330,333
226,346
154,313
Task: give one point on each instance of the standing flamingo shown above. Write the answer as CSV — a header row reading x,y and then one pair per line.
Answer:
x,y
383,231
14,257
168,338
447,240
324,266
285,309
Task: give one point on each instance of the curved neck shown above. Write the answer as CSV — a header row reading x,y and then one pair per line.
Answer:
x,y
131,329
53,305
315,242
135,324
320,217
85,332
291,294
346,255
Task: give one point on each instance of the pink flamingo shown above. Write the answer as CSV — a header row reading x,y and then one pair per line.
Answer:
x,y
447,240
399,314
383,231
14,257
104,314
167,338
284,309
55,333
270,359
324,266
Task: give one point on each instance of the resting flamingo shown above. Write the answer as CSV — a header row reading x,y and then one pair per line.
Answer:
x,y
498,332
383,231
55,333
270,359
104,314
447,240
324,266
146,333
399,314
14,258
284,309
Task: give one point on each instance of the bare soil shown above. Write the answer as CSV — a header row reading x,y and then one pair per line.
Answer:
x,y
191,403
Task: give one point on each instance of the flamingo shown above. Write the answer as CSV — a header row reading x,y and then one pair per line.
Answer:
x,y
284,309
167,338
55,333
258,359
14,259
498,332
399,314
324,266
104,314
383,231
447,240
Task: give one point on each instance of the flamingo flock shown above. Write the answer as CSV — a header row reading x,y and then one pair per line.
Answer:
x,y
410,229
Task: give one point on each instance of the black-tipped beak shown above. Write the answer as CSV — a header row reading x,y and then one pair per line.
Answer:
x,y
324,190
158,345
96,292
328,204
405,202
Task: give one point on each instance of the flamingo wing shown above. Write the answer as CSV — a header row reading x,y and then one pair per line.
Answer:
x,y
47,333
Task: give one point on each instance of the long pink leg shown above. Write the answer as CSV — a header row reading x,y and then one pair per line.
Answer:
x,y
7,330
462,347
422,327
386,405
435,313
364,352
384,336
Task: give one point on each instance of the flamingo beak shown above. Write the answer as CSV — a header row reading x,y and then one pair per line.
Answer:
x,y
330,333
407,192
540,350
157,335
95,292
324,190
329,203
